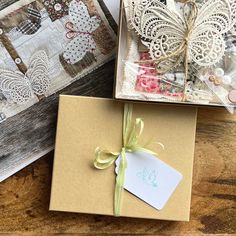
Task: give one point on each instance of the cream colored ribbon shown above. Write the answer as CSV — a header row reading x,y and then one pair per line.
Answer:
x,y
105,158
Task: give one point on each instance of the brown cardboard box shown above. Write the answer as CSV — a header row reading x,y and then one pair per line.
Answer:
x,y
124,40
86,123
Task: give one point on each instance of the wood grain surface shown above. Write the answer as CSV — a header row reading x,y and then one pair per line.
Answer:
x,y
25,196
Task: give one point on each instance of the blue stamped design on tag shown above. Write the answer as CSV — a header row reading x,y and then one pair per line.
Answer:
x,y
149,177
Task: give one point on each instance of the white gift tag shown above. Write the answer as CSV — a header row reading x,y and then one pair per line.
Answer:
x,y
149,178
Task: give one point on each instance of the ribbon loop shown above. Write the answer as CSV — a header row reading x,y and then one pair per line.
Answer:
x,y
104,158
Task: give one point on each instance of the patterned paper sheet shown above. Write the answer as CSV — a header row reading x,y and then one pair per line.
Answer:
x,y
46,45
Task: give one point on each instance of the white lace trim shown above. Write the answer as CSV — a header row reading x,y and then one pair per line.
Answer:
x,y
19,88
195,95
131,69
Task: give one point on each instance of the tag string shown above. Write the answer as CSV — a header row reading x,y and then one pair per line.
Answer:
x,y
105,158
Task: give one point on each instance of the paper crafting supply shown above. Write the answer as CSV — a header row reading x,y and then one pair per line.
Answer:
x,y
193,39
31,27
84,123
149,178
34,120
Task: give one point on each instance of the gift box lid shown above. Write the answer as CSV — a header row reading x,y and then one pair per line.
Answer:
x,y
86,123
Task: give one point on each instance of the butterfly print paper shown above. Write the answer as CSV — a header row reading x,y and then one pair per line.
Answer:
x,y
80,30
63,33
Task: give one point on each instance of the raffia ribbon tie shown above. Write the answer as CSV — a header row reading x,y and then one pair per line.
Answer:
x,y
105,158
183,50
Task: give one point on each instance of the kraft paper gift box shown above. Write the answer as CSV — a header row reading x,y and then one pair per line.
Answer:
x,y
86,123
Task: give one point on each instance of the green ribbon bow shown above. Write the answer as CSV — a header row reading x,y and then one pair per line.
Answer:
x,y
105,158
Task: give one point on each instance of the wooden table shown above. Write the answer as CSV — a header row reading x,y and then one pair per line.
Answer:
x,y
24,198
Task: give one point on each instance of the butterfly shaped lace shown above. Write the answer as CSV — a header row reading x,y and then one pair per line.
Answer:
x,y
163,31
18,87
